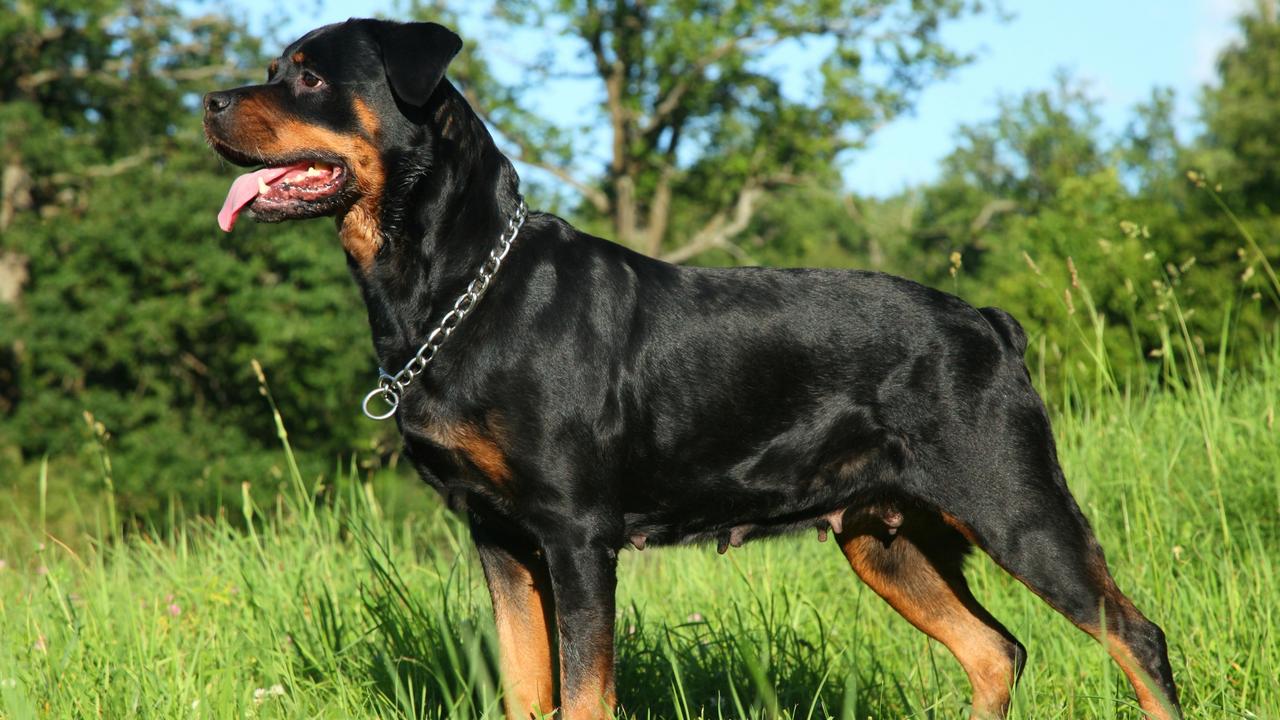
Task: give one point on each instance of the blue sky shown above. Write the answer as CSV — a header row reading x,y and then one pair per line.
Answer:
x,y
1120,49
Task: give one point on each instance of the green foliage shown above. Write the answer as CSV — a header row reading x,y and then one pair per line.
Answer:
x,y
88,82
1240,115
151,328
137,309
829,233
691,87
1084,238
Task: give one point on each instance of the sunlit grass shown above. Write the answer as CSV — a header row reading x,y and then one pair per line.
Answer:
x,y
328,609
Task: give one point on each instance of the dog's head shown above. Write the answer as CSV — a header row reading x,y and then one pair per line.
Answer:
x,y
340,105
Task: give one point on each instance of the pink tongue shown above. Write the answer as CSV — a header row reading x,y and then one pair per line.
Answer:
x,y
244,191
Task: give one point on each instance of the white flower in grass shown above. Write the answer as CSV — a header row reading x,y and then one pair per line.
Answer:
x,y
261,695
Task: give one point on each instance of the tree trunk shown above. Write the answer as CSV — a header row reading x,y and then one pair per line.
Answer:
x,y
659,214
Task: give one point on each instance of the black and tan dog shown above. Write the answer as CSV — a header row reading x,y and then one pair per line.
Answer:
x,y
595,397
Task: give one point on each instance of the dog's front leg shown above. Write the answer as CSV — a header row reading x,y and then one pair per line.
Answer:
x,y
523,613
584,576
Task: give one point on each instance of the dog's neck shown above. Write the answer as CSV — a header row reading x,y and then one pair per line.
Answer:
x,y
448,211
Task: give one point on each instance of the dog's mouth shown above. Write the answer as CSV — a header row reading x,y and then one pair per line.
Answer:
x,y
285,189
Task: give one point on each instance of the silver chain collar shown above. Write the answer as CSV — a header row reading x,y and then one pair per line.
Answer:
x,y
391,387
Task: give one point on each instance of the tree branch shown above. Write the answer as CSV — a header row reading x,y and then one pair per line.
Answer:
x,y
117,167
15,192
671,101
747,42
989,212
598,199
659,211
721,228
110,70
14,274
729,223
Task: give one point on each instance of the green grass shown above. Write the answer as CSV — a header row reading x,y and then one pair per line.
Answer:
x,y
325,608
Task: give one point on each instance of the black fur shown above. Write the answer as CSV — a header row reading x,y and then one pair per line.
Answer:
x,y
633,401
415,56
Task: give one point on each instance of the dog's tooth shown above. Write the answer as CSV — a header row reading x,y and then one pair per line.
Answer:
x,y
263,188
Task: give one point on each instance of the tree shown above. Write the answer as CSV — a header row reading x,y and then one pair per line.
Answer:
x,y
1014,164
89,90
1089,239
132,305
1235,166
702,119
1240,114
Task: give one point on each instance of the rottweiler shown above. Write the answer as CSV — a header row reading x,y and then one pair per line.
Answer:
x,y
574,397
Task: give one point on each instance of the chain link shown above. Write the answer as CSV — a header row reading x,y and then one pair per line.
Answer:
x,y
390,387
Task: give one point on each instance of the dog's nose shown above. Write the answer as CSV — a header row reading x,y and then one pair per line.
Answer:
x,y
216,102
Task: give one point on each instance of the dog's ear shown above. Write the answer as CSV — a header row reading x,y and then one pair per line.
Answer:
x,y
415,56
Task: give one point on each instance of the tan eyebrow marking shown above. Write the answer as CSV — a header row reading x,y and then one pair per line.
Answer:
x,y
298,57
273,67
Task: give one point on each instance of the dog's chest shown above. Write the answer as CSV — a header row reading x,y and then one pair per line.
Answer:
x,y
460,454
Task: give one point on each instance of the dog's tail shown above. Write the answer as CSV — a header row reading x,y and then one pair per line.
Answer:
x,y
1007,327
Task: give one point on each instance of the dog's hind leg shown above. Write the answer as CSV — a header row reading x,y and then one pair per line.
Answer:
x,y
919,571
524,614
1008,496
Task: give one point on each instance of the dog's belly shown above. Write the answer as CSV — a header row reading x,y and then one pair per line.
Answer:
x,y
745,501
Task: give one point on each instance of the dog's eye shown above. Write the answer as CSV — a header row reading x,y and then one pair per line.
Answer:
x,y
311,80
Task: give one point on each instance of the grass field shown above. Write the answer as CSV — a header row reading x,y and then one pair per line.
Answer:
x,y
327,608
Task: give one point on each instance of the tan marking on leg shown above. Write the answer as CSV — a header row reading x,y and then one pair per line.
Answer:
x,y
1119,611
943,609
595,697
523,613
961,528
1151,703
